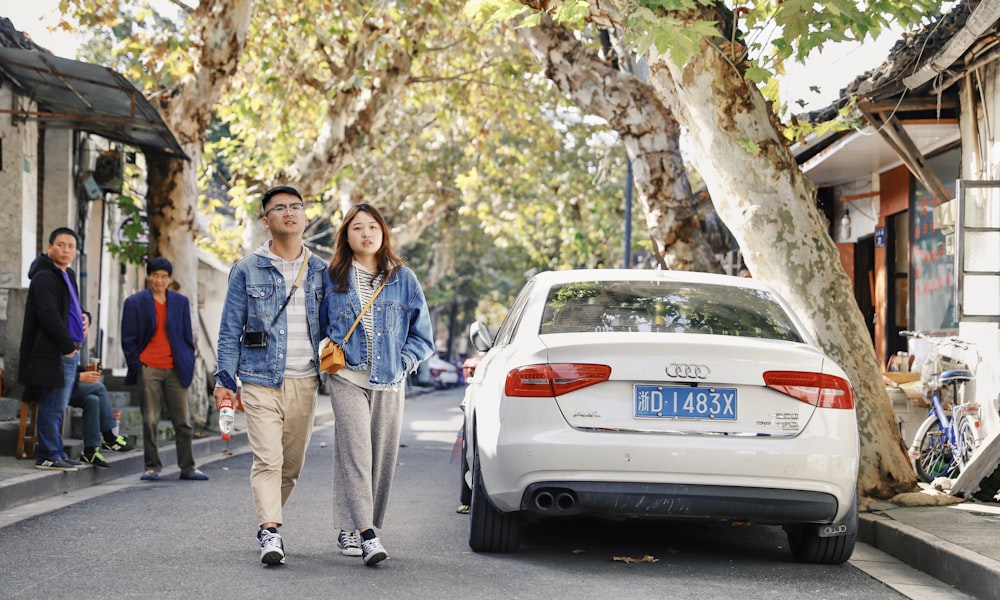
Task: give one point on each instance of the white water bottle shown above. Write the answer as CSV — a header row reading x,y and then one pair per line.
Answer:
x,y
226,418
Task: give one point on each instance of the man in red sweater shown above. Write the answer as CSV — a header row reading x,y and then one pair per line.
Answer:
x,y
158,343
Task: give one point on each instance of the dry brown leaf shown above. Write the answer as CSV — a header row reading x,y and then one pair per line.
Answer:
x,y
629,559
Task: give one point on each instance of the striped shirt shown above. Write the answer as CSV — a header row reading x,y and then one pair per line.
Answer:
x,y
299,361
366,289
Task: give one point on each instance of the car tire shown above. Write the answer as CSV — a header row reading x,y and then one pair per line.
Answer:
x,y
465,492
808,547
489,529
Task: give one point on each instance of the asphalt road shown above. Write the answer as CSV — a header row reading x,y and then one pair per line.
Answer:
x,y
192,540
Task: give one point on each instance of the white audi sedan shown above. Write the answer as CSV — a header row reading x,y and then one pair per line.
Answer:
x,y
658,395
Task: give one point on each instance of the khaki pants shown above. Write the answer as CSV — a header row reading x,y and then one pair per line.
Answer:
x,y
161,387
279,426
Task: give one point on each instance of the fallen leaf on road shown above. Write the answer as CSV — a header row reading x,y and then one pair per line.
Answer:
x,y
644,559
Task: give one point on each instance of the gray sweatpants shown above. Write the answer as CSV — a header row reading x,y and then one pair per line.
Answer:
x,y
367,428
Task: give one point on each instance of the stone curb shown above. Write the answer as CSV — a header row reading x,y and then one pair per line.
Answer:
x,y
964,569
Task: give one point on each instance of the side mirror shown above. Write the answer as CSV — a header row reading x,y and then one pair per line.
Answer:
x,y
480,337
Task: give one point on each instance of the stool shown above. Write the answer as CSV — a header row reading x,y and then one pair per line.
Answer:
x,y
27,433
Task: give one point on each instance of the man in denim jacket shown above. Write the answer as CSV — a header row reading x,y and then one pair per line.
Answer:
x,y
271,347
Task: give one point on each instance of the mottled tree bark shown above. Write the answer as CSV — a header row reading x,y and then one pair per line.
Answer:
x,y
650,133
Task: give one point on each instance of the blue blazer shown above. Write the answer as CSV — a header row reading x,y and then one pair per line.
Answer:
x,y
139,323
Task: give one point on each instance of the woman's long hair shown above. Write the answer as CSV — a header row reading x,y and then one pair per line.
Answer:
x,y
340,264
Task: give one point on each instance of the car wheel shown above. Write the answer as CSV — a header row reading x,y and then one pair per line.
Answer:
x,y
465,493
489,529
808,547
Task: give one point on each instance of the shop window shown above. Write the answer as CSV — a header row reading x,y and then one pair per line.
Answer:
x,y
932,263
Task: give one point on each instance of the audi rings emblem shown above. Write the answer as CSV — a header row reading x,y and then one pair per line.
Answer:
x,y
683,371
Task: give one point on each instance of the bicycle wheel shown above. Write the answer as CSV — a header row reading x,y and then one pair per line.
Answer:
x,y
934,458
968,435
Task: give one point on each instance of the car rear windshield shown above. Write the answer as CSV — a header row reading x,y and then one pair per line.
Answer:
x,y
673,307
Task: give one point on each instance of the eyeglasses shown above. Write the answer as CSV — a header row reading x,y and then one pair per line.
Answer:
x,y
279,209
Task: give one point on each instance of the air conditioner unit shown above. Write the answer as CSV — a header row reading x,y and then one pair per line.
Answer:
x,y
108,170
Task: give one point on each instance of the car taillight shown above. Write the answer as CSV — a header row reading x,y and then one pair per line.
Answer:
x,y
550,380
818,389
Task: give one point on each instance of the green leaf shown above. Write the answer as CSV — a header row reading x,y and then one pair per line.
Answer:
x,y
572,12
750,146
757,74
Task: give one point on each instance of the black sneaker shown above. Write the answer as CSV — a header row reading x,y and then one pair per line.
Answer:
x,y
70,461
119,444
95,458
54,464
349,543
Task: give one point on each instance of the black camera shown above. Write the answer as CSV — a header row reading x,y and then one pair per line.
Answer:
x,y
255,339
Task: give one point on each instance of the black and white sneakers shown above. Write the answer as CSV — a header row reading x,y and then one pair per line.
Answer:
x,y
349,543
272,549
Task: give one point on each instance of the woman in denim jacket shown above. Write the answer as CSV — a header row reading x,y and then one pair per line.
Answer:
x,y
393,337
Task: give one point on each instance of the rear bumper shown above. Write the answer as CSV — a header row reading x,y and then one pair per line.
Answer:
x,y
678,501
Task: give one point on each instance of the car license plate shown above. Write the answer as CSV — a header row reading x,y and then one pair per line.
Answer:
x,y
685,402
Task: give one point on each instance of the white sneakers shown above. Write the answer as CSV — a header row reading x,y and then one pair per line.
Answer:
x,y
372,552
272,549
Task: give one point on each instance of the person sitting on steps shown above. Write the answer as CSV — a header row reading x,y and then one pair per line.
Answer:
x,y
90,395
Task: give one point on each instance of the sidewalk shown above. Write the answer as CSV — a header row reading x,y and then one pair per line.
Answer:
x,y
957,544
21,483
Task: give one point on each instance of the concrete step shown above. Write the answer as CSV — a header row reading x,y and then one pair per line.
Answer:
x,y
130,424
10,409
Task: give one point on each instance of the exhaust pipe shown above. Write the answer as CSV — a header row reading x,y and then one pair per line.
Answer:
x,y
565,501
544,500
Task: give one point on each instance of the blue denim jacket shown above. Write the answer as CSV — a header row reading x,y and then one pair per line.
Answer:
x,y
256,292
402,339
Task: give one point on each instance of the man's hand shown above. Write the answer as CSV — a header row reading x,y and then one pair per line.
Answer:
x,y
90,376
222,393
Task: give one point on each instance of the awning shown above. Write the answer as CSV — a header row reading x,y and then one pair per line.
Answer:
x,y
860,153
77,95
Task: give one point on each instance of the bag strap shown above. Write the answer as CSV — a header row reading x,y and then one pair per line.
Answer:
x,y
295,286
364,310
